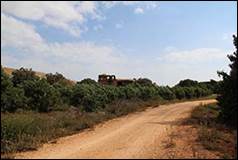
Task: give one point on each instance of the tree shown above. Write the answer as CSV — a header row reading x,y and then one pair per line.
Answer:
x,y
12,98
42,96
179,92
87,81
187,83
23,74
228,93
144,81
65,92
54,78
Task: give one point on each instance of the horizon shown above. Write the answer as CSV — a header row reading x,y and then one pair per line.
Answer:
x,y
163,41
119,78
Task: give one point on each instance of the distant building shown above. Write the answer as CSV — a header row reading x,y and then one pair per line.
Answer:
x,y
111,80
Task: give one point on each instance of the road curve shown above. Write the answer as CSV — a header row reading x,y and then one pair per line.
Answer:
x,y
136,135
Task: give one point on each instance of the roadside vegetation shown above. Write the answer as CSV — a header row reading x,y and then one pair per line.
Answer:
x,y
28,102
213,134
215,124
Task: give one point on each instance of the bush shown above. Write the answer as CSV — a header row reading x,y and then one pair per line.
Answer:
x,y
91,97
166,93
179,92
12,98
41,95
187,83
65,92
87,81
144,81
23,74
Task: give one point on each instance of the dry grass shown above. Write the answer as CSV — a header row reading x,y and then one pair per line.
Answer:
x,y
200,136
212,134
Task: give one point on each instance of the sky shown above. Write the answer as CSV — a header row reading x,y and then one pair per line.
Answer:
x,y
164,41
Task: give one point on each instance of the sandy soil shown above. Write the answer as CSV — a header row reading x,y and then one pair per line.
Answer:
x,y
136,135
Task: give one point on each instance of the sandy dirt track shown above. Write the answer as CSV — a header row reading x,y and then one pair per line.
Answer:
x,y
136,135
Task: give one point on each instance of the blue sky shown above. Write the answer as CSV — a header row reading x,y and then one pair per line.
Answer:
x,y
164,41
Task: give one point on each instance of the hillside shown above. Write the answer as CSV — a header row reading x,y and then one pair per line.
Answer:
x,y
9,71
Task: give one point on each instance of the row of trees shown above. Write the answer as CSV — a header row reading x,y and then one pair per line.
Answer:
x,y
24,90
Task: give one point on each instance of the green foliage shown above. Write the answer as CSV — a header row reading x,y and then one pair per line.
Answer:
x,y
57,93
65,92
87,81
58,79
144,81
179,92
212,85
166,93
54,78
41,95
23,74
228,92
25,131
12,98
89,96
187,83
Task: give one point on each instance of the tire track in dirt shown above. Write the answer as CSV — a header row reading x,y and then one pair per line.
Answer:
x,y
131,136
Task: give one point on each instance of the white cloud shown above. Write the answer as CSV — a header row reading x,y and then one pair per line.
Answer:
x,y
86,58
65,15
199,64
143,5
69,16
19,34
23,36
138,10
195,55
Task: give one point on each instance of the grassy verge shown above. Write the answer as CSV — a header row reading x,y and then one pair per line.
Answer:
x,y
212,134
24,131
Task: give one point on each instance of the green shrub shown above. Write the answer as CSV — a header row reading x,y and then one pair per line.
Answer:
x,y
166,93
65,92
41,95
179,92
12,98
23,74
144,81
90,96
87,81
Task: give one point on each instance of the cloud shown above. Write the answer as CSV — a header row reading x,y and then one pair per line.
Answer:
x,y
199,64
73,58
138,10
68,16
77,60
194,56
19,34
141,6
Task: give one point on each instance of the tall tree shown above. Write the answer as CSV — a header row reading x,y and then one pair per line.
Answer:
x,y
23,74
228,94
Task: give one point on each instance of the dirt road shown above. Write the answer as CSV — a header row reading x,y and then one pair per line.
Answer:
x,y
137,135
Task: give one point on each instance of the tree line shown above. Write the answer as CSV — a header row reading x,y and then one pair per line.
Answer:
x,y
26,91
